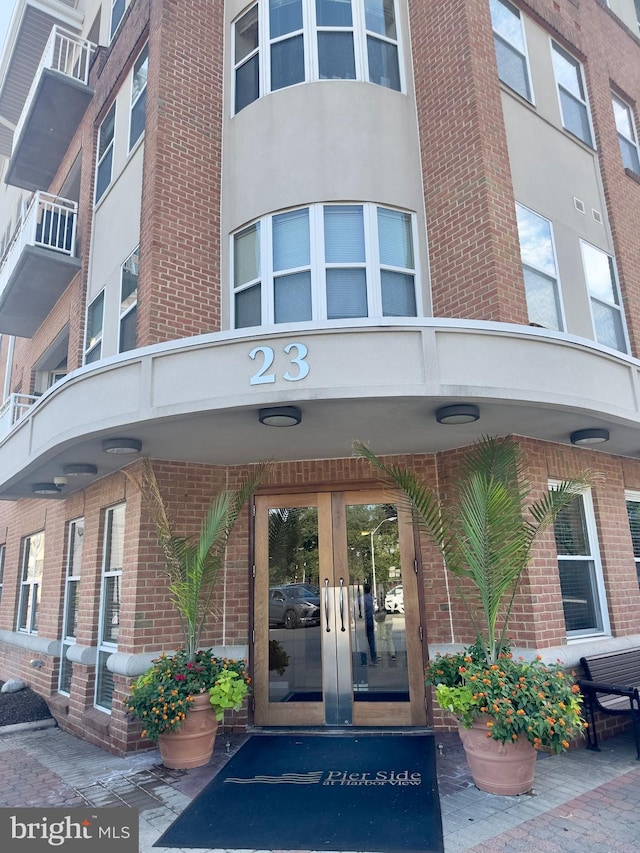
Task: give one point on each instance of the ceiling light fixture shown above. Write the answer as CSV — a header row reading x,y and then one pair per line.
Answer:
x,y
122,445
461,413
585,437
79,469
280,416
45,489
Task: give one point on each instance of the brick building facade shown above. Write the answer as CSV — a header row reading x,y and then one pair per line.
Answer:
x,y
348,216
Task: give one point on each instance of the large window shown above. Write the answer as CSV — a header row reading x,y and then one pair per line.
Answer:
x,y
109,622
540,269
129,302
511,48
608,320
278,43
117,11
70,613
627,136
572,95
95,320
138,96
581,582
31,582
325,262
633,512
104,169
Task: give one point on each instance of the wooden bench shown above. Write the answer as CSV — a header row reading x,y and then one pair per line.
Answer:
x,y
610,686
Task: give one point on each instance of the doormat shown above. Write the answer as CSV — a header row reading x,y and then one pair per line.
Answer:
x,y
377,793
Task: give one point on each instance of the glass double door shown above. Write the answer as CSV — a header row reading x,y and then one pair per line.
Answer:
x,y
337,628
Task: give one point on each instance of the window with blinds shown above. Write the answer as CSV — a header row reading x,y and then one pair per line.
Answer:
x,y
580,570
325,262
31,582
75,538
511,48
572,94
109,619
280,43
633,513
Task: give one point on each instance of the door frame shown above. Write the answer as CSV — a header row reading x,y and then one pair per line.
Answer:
x,y
332,532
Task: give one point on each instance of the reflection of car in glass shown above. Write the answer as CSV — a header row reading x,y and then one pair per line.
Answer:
x,y
294,604
394,600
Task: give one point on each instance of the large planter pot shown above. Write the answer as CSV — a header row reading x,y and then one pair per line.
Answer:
x,y
498,768
192,744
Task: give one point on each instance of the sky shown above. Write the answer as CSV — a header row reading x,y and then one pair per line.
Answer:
x,y
6,8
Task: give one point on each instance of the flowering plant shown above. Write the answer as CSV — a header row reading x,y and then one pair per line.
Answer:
x,y
161,696
520,699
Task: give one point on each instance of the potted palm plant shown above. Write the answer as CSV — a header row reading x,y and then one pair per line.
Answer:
x,y
182,696
485,529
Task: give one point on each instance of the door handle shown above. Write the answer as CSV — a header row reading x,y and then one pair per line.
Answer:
x,y
342,604
326,605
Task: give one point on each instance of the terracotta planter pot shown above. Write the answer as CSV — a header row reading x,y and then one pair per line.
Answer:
x,y
498,768
192,744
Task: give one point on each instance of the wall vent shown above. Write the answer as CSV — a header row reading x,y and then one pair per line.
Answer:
x,y
597,216
579,205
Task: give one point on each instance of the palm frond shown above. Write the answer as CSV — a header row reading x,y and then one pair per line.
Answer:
x,y
193,564
486,526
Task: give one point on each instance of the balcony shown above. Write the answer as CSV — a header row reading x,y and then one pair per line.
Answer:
x,y
38,264
14,407
54,108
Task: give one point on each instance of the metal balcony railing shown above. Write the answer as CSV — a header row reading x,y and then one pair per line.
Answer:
x,y
13,409
50,222
66,53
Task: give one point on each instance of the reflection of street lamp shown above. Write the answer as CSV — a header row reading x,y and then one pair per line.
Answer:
x,y
373,556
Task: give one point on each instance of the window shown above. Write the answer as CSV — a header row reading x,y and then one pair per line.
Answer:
x,y
571,92
511,48
627,136
581,582
325,262
3,548
31,582
109,620
70,612
138,97
608,320
314,40
247,70
104,169
129,301
95,319
117,11
633,512
540,269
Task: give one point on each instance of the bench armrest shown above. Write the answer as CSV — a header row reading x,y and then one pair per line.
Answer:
x,y
600,687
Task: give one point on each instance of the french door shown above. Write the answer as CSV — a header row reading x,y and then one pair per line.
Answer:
x,y
337,629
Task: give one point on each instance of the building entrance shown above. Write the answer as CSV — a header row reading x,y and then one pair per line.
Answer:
x,y
337,627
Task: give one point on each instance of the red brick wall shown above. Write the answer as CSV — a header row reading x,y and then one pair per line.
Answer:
x,y
179,285
471,228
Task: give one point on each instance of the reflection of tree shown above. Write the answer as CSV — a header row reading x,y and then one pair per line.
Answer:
x,y
278,658
293,545
363,519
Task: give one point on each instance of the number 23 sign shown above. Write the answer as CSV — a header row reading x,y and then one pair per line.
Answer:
x,y
297,367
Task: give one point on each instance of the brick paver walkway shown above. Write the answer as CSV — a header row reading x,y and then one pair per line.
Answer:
x,y
583,802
